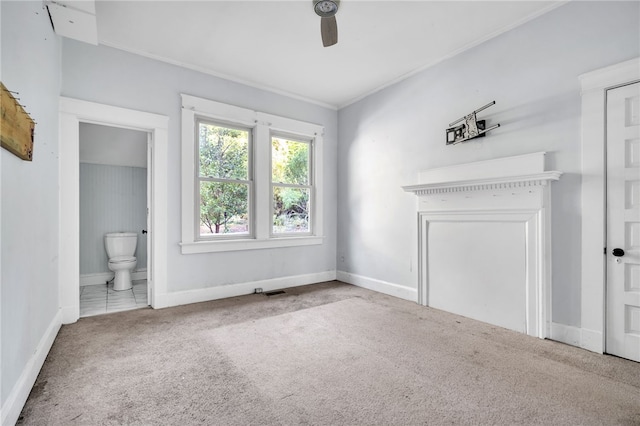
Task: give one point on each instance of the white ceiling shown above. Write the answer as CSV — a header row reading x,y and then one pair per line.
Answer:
x,y
276,45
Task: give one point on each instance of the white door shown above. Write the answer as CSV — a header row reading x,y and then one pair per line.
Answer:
x,y
623,222
149,218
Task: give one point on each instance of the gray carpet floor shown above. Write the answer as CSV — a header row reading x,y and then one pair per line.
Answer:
x,y
325,354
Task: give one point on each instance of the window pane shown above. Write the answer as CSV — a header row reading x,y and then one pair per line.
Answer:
x,y
289,161
224,152
291,210
224,208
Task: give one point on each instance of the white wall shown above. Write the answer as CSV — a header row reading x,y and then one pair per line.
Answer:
x,y
113,77
532,74
29,292
112,145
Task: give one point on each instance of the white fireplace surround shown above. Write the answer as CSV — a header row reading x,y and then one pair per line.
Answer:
x,y
484,241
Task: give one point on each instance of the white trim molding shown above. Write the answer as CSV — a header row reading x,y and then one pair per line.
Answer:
x,y
17,397
248,244
576,336
595,85
512,190
72,113
567,334
511,182
177,298
102,277
261,125
396,290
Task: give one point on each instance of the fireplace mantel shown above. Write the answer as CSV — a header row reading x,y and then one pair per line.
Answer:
x,y
499,173
483,184
484,241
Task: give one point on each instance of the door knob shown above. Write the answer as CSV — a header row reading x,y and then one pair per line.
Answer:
x,y
617,252
144,231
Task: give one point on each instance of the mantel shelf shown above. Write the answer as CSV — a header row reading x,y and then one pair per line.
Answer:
x,y
468,185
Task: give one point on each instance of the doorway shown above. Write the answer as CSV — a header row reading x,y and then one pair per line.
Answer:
x,y
623,222
595,84
113,198
73,112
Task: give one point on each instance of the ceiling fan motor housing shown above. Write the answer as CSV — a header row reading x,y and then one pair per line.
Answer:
x,y
326,8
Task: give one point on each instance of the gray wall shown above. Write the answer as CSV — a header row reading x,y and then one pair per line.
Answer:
x,y
112,145
109,76
532,74
29,247
112,199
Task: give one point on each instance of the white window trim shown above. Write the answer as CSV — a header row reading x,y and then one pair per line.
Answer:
x,y
263,125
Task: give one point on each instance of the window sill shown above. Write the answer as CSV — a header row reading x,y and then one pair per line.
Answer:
x,y
237,245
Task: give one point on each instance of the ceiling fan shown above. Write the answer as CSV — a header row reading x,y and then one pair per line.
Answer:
x,y
327,10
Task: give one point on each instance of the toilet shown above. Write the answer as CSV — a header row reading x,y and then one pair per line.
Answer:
x,y
120,247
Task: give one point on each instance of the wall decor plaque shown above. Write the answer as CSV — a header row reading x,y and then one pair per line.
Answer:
x,y
16,126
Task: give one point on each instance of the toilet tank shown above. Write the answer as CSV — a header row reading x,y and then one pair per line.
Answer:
x,y
120,244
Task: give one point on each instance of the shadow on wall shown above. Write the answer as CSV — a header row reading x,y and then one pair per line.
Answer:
x,y
529,116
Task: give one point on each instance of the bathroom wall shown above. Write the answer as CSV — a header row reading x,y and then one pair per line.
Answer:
x,y
112,199
113,195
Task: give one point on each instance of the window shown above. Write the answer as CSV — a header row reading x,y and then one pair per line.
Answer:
x,y
224,175
250,180
290,185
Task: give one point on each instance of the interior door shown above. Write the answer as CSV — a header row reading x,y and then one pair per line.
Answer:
x,y
149,219
623,222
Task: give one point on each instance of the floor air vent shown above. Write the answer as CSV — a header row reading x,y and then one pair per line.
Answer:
x,y
273,293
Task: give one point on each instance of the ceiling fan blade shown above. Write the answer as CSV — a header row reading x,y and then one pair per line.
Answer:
x,y
329,31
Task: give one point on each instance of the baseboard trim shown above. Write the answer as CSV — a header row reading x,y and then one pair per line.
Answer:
x,y
95,279
380,286
565,333
592,341
70,314
222,292
18,395
576,336
103,277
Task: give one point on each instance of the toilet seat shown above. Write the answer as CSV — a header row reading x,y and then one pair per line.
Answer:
x,y
122,259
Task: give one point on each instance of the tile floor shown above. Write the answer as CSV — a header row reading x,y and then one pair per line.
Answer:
x,y
102,299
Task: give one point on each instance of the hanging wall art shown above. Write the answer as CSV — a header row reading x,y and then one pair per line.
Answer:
x,y
16,126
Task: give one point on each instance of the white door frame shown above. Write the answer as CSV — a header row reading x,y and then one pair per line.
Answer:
x,y
595,85
72,113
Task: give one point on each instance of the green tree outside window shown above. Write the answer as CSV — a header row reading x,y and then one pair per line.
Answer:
x,y
291,185
224,176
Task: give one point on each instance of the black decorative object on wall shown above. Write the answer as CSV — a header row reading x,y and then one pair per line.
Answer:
x,y
470,129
